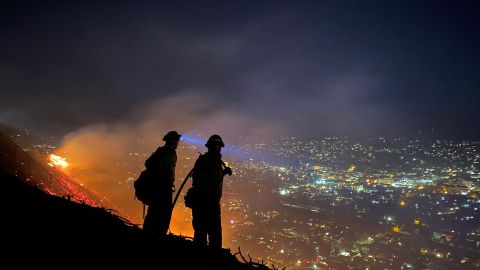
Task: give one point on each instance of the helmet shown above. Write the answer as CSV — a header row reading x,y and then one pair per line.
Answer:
x,y
172,136
214,139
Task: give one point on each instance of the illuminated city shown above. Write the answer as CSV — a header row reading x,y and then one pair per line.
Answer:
x,y
333,203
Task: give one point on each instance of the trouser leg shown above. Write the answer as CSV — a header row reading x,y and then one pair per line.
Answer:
x,y
165,214
151,223
215,228
159,215
199,226
164,220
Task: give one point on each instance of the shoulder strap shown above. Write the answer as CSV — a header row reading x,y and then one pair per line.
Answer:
x,y
157,155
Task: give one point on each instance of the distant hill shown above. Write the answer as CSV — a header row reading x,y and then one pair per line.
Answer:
x,y
23,138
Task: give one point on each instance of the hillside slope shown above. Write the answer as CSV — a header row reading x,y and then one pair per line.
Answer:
x,y
55,231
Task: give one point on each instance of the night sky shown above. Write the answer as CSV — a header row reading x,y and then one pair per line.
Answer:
x,y
309,68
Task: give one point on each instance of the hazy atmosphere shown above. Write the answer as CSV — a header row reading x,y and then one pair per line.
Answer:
x,y
367,68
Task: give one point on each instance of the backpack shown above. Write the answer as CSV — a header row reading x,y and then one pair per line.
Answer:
x,y
189,198
146,186
143,187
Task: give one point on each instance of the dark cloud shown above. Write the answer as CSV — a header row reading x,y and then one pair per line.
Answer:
x,y
329,68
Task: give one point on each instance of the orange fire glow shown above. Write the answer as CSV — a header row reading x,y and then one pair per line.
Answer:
x,y
57,161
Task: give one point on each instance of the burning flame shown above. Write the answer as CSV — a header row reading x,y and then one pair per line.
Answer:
x,y
57,161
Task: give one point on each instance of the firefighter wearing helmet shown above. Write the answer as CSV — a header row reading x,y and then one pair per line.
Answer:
x,y
161,165
208,174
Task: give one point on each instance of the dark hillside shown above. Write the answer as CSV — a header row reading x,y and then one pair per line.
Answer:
x,y
55,231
